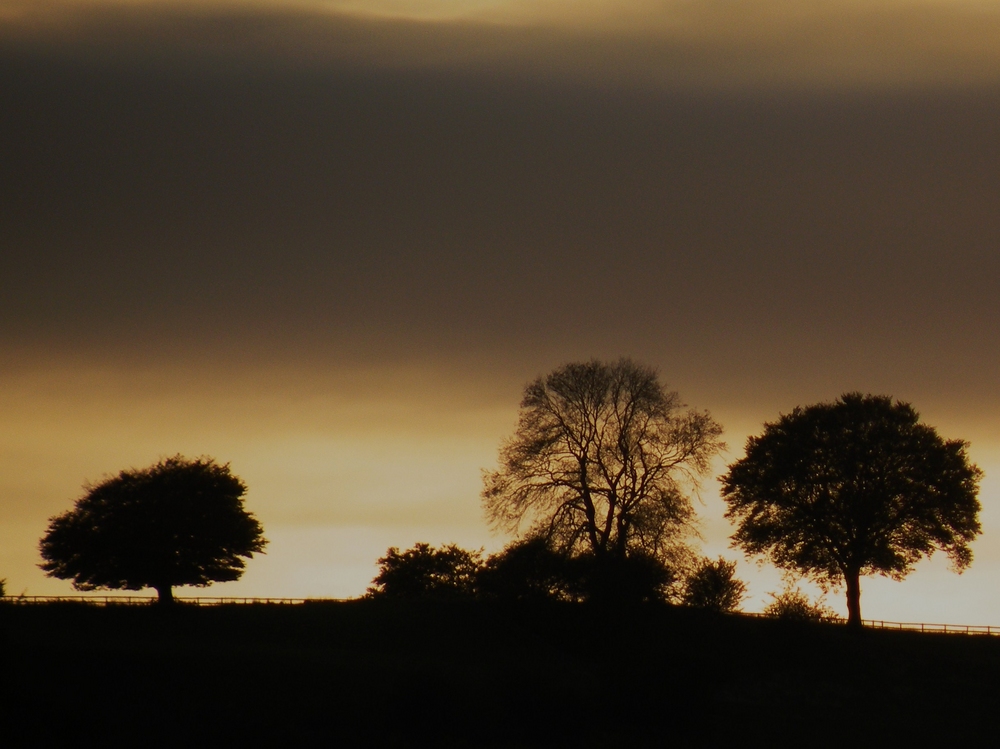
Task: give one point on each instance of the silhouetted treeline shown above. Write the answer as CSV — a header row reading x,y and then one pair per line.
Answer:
x,y
532,570
604,458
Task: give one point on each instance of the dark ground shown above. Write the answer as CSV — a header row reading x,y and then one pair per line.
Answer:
x,y
372,673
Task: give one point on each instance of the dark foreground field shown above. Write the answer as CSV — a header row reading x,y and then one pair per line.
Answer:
x,y
373,674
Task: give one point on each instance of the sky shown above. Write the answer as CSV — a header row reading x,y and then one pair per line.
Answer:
x,y
330,242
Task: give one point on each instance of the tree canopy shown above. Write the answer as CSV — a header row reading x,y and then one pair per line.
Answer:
x,y
855,487
427,572
526,571
179,522
601,462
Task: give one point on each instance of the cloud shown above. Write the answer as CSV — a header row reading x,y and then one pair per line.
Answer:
x,y
661,43
294,182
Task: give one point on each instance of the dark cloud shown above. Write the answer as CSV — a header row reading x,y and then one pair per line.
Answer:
x,y
342,188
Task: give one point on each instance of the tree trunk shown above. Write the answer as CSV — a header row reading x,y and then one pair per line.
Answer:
x,y
591,512
853,580
165,594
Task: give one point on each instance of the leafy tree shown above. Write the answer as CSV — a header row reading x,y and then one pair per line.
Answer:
x,y
601,462
794,605
3,587
713,585
427,572
855,487
179,522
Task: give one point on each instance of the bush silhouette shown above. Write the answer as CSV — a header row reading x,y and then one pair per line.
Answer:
x,y
713,585
636,578
427,572
529,571
794,605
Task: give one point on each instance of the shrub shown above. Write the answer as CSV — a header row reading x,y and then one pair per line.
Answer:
x,y
427,572
713,585
792,604
529,570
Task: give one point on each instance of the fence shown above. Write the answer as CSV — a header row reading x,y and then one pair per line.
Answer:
x,y
145,600
951,629
963,629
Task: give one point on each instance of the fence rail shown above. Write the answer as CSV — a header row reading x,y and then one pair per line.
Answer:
x,y
97,600
951,629
146,600
960,629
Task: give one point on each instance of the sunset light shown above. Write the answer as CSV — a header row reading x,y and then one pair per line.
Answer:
x,y
329,243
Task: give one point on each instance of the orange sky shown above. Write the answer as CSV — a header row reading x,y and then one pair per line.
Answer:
x,y
342,465
331,248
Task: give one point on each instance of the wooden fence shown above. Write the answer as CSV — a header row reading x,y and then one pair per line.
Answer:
x,y
960,629
99,600
147,600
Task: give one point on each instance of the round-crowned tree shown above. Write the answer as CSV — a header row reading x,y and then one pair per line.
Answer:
x,y
179,522
856,487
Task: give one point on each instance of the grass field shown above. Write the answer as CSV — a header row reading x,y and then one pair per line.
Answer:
x,y
372,673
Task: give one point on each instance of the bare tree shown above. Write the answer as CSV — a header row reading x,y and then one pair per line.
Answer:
x,y
602,462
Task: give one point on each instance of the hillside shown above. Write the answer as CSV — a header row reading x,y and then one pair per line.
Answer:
x,y
368,673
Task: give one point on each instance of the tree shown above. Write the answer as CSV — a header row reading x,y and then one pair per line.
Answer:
x,y
179,522
600,463
855,487
713,585
426,572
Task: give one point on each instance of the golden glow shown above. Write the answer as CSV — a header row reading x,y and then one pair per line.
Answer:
x,y
342,464
331,458
761,258
716,43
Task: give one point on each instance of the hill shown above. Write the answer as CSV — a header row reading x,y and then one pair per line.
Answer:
x,y
371,673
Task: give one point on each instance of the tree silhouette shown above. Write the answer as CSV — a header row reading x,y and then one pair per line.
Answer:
x,y
600,463
850,488
713,585
427,572
179,522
